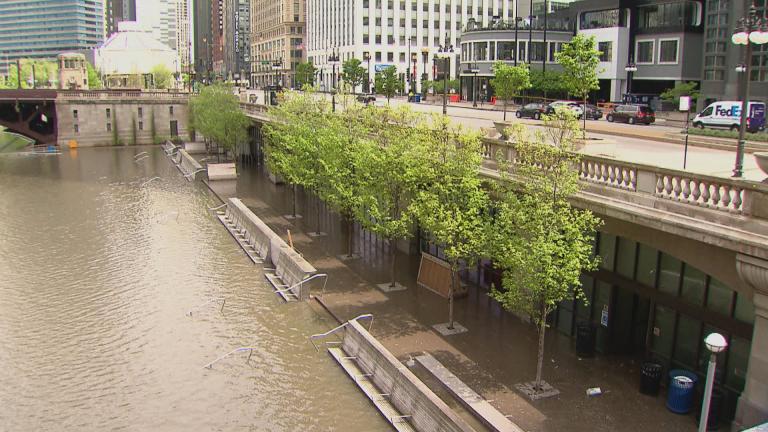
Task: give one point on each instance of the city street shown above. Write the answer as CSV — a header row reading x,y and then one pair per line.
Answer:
x,y
609,142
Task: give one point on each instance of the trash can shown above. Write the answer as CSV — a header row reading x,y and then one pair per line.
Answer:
x,y
681,387
650,378
273,98
585,340
417,98
715,408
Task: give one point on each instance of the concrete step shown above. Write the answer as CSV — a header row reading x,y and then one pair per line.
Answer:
x,y
385,407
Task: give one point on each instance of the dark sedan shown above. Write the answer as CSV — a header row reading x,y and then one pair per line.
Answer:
x,y
532,110
593,112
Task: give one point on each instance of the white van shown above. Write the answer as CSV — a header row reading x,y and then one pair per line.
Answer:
x,y
727,114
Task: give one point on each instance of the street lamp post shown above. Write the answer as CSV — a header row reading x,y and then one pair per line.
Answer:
x,y
752,30
367,58
412,73
445,52
474,71
715,343
333,59
517,50
630,68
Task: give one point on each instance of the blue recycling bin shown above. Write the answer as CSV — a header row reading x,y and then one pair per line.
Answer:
x,y
417,98
681,386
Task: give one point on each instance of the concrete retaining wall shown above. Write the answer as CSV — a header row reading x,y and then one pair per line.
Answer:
x,y
188,164
256,230
289,266
407,393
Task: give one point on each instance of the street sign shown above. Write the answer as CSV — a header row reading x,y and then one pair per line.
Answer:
x,y
685,103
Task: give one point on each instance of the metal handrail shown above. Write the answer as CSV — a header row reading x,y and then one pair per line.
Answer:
x,y
337,328
149,181
323,275
136,156
215,299
210,365
192,174
214,209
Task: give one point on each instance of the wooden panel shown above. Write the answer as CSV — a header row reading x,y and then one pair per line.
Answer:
x,y
435,275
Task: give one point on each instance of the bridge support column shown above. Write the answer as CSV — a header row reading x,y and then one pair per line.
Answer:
x,y
753,403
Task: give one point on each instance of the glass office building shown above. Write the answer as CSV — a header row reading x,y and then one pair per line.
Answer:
x,y
42,29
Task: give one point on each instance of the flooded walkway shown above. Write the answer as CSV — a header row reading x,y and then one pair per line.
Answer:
x,y
497,352
98,269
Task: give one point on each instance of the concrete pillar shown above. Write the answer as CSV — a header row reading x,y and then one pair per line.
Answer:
x,y
753,403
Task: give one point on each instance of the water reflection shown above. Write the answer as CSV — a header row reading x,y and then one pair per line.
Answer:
x,y
98,270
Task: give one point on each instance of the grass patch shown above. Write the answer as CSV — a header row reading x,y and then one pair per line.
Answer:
x,y
760,136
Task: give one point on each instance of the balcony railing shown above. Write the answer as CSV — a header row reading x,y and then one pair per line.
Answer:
x,y
120,94
733,196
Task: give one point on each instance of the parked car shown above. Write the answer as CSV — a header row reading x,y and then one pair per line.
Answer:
x,y
632,114
366,98
593,112
573,106
727,114
532,110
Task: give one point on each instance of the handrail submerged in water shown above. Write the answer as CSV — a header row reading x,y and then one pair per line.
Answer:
x,y
339,327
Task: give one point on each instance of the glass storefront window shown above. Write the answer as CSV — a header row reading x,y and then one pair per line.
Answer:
x,y
738,358
537,51
663,331
646,265
745,309
625,259
669,274
599,19
719,298
694,281
688,341
583,309
606,250
506,51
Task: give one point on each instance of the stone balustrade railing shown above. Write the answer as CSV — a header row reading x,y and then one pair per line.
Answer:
x,y
121,94
734,196
253,109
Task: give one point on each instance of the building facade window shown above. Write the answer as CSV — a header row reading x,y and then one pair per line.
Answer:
x,y
74,114
599,19
606,51
668,51
644,51
77,129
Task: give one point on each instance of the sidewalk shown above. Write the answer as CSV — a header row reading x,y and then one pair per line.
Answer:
x,y
497,352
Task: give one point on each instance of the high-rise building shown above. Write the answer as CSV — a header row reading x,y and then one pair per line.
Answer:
x,y
183,40
168,21
203,37
277,40
43,29
237,28
217,37
404,33
118,11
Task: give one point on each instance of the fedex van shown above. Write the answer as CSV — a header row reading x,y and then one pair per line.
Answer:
x,y
727,114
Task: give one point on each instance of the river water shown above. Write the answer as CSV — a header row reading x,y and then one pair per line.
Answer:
x,y
97,272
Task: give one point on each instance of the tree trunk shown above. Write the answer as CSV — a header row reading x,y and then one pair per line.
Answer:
x,y
294,200
350,241
584,116
505,110
392,255
451,292
317,218
540,359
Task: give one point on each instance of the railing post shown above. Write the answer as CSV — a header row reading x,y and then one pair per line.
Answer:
x,y
646,181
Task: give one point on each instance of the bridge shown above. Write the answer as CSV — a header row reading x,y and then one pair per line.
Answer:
x,y
59,117
716,224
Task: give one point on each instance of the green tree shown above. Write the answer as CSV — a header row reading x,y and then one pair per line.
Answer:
x,y
305,74
690,88
540,242
218,117
580,59
392,170
548,82
509,80
291,140
353,73
453,207
94,81
162,77
387,83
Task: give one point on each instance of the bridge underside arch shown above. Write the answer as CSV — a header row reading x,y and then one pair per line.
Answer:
x,y
33,119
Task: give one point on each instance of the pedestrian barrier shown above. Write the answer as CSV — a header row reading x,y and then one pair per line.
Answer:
x,y
188,165
236,350
406,402
291,275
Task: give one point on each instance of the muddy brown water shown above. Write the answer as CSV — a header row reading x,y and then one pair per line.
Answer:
x,y
97,272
